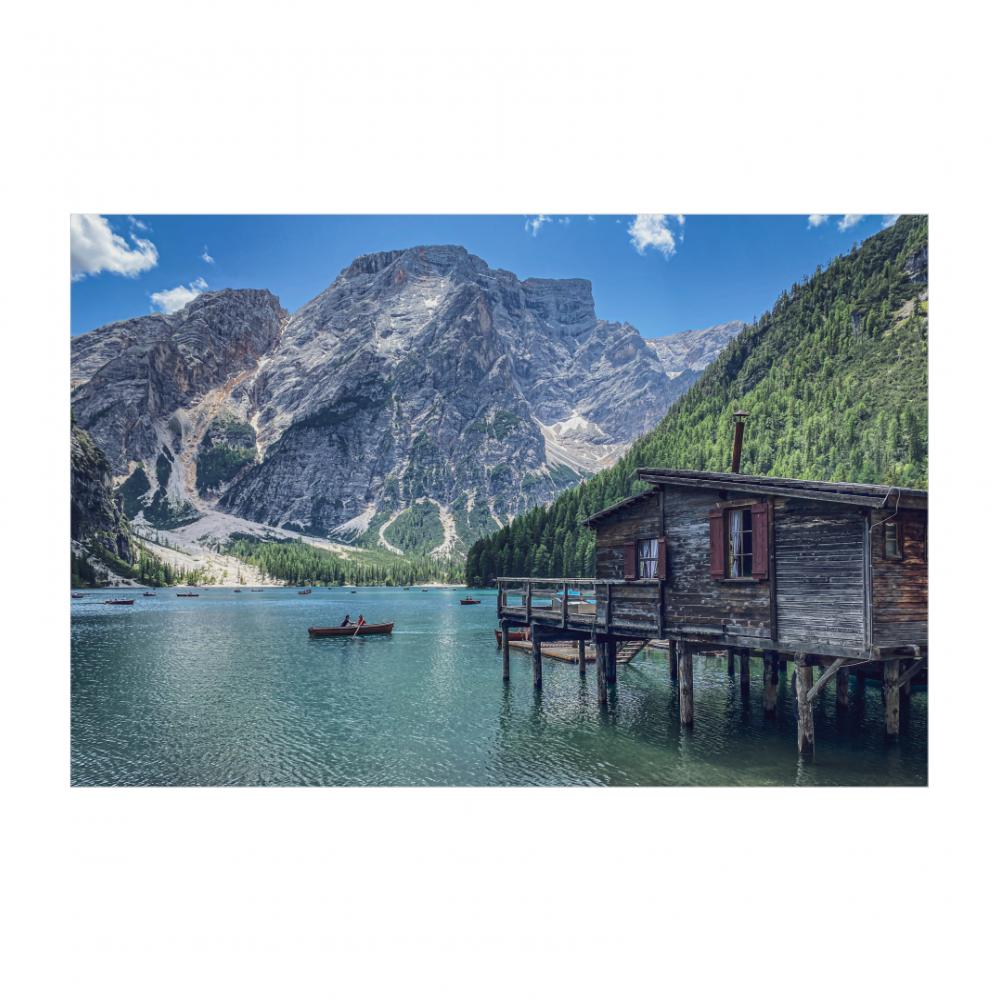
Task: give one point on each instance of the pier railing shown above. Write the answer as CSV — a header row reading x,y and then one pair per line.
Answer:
x,y
621,605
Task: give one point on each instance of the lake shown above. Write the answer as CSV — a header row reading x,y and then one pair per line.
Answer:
x,y
229,689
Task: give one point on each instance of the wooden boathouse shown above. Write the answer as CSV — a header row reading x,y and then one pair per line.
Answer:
x,y
830,575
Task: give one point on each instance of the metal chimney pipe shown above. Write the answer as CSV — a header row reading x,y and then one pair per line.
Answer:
x,y
739,416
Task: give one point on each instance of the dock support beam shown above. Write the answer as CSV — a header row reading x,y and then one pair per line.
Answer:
x,y
536,659
770,684
611,663
803,682
904,688
730,662
582,647
843,689
505,643
745,673
673,660
602,680
782,665
687,685
890,685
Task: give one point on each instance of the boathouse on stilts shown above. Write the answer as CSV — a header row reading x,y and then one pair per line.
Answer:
x,y
830,576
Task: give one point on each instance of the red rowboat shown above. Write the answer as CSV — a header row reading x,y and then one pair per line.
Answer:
x,y
309,591
521,635
121,602
469,600
381,628
76,595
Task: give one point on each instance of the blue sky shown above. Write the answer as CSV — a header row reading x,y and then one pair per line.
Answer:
x,y
661,273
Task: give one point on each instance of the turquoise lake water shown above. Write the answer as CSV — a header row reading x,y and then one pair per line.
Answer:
x,y
229,689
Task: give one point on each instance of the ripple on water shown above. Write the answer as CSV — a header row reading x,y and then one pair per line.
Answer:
x,y
233,691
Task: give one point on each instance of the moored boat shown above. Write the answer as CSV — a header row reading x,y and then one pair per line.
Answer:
x,y
309,591
237,591
378,628
132,601
149,593
77,596
256,590
468,600
189,595
518,635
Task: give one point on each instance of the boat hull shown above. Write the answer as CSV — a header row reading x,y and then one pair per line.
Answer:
x,y
466,601
379,628
521,635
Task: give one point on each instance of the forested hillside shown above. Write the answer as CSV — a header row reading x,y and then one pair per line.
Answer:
x,y
834,378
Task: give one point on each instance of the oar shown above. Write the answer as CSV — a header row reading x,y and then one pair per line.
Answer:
x,y
358,629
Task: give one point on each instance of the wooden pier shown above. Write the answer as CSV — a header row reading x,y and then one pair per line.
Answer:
x,y
830,576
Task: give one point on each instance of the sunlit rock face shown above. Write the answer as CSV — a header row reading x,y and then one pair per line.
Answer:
x,y
419,373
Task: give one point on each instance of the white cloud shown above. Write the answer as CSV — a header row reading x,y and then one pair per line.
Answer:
x,y
564,222
848,221
817,220
590,218
889,220
206,258
172,299
533,225
654,231
136,224
93,248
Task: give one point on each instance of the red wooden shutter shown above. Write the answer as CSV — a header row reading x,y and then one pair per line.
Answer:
x,y
717,544
630,560
661,558
758,515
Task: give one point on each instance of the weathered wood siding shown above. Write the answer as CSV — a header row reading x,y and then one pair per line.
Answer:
x,y
899,586
693,601
819,559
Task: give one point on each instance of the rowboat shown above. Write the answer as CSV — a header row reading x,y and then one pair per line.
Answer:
x,y
256,590
237,591
468,600
78,596
148,593
309,591
121,602
380,628
189,595
521,635
353,591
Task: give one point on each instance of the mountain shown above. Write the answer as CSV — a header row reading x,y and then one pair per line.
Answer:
x,y
834,378
418,402
693,350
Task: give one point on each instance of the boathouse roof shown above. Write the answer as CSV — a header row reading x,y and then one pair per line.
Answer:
x,y
858,494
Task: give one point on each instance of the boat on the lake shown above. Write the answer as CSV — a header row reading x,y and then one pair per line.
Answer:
x,y
423,590
309,591
468,600
378,628
353,591
237,591
514,635
256,590
189,595
406,588
76,595
132,601
149,593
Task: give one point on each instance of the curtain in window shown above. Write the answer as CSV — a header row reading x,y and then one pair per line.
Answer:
x,y
736,539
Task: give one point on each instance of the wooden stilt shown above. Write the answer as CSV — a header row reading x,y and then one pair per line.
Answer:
x,y
843,687
860,679
890,686
611,663
803,682
673,660
782,665
536,660
770,684
730,662
687,685
745,673
505,644
602,681
582,646
904,688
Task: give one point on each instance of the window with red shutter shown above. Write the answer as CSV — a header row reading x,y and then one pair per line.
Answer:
x,y
630,560
758,513
717,544
661,558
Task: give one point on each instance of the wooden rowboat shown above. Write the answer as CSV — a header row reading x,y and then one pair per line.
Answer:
x,y
148,593
309,591
77,596
468,600
380,628
521,635
121,602
189,595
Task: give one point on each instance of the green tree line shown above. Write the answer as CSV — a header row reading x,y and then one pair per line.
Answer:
x,y
834,378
